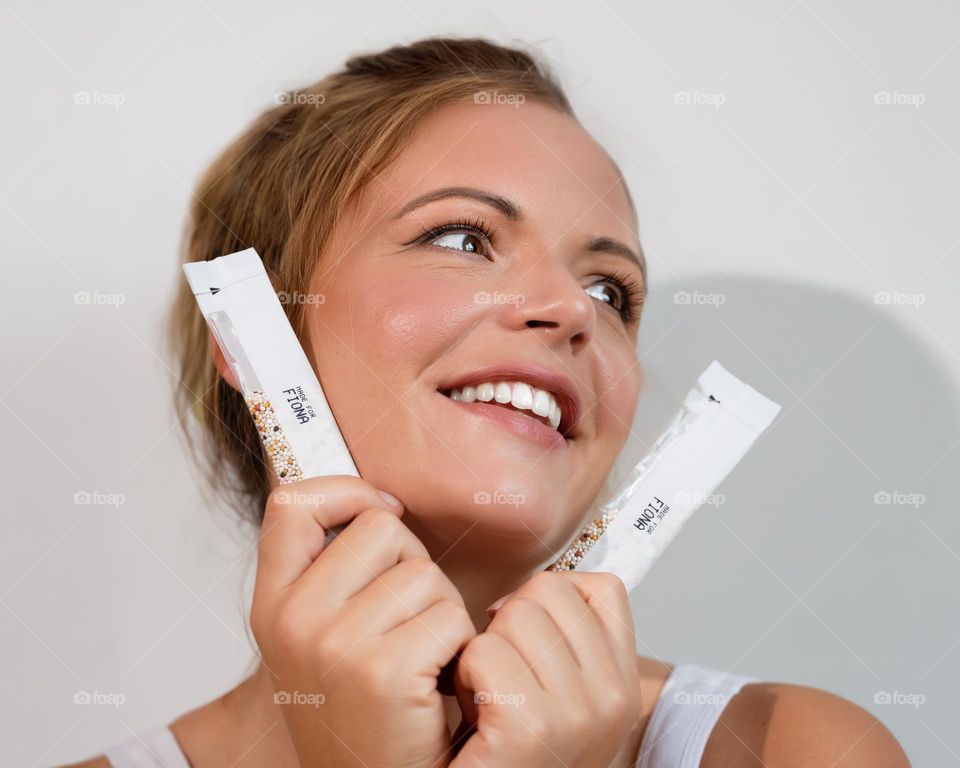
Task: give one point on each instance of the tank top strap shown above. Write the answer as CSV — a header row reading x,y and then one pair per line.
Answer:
x,y
155,748
689,705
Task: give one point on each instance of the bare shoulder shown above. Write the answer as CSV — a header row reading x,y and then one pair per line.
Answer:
x,y
653,675
778,725
95,762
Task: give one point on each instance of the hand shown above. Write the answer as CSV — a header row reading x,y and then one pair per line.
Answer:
x,y
355,633
553,680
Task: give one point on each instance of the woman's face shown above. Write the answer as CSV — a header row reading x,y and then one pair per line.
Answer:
x,y
510,275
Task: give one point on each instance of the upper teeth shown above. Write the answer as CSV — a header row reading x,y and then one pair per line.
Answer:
x,y
517,393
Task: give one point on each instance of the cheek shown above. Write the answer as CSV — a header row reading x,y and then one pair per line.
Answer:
x,y
620,381
376,332
413,320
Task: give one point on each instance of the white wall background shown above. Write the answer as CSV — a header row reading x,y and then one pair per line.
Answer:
x,y
794,202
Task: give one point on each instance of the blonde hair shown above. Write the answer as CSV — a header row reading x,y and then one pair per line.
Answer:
x,y
278,188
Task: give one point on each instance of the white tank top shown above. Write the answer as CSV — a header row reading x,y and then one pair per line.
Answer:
x,y
688,707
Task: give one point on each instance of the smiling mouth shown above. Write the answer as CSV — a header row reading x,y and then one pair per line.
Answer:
x,y
535,404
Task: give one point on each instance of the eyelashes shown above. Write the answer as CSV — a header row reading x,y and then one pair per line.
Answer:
x,y
478,227
631,295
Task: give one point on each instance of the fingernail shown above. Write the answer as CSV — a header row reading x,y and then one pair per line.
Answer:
x,y
494,607
392,500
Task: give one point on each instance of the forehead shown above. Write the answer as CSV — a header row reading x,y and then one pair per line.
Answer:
x,y
532,154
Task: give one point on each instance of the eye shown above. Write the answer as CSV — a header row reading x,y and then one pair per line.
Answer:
x,y
595,291
460,241
627,295
462,235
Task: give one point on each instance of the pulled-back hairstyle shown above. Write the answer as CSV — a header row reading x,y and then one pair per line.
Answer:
x,y
279,187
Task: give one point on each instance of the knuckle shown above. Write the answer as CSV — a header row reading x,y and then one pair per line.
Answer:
x,y
607,584
378,675
478,650
450,609
537,730
614,707
422,566
376,518
614,584
544,581
328,647
289,628
578,719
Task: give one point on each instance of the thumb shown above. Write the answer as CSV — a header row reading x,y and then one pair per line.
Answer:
x,y
463,689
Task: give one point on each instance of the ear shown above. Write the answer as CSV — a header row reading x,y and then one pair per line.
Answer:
x,y
220,362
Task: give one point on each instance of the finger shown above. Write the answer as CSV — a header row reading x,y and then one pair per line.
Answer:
x,y
432,637
374,542
295,520
580,626
540,642
608,598
490,664
399,594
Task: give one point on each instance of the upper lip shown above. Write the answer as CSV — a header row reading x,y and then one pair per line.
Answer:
x,y
554,382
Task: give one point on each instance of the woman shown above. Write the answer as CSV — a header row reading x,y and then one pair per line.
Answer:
x,y
450,237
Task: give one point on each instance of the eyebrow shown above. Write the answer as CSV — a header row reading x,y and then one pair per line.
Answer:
x,y
513,212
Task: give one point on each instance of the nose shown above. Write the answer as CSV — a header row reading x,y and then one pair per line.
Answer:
x,y
550,301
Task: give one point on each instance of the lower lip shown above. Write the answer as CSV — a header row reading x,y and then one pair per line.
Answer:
x,y
522,425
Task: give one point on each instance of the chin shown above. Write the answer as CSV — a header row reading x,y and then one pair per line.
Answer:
x,y
526,519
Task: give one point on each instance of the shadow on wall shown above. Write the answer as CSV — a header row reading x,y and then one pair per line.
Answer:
x,y
828,555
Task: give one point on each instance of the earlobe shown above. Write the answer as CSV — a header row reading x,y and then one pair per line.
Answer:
x,y
226,373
